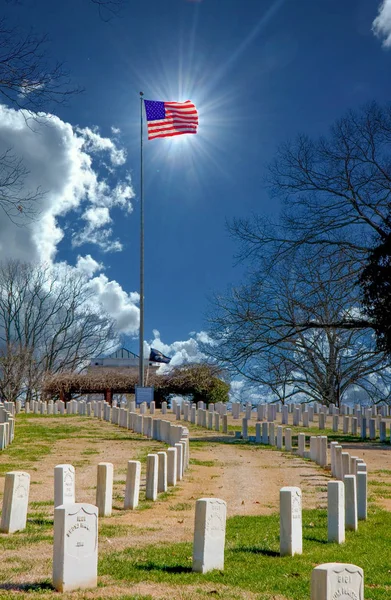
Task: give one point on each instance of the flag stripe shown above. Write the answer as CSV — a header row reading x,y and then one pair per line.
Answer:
x,y
179,118
171,134
172,120
163,129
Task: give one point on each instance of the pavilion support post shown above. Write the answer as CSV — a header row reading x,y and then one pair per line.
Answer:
x,y
109,397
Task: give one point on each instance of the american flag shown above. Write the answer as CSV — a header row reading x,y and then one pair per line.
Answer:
x,y
166,119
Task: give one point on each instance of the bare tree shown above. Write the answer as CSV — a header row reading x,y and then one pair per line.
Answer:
x,y
16,200
336,195
32,81
275,332
47,315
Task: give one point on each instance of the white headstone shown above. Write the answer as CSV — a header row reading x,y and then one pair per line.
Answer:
x,y
104,489
171,466
132,490
209,535
75,552
362,495
152,477
15,501
337,581
64,485
291,536
179,461
336,511
162,475
350,502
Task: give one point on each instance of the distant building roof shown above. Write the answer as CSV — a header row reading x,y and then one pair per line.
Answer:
x,y
122,353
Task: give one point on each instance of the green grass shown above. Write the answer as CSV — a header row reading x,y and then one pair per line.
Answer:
x,y
203,463
181,506
35,439
252,560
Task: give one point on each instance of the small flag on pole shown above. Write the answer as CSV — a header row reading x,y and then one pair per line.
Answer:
x,y
166,119
159,357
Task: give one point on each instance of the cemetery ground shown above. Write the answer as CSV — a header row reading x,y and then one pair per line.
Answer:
x,y
146,553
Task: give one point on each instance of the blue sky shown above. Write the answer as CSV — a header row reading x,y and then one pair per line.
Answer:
x,y
259,71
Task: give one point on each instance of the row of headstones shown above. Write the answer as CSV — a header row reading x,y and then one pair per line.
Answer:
x,y
269,411
7,424
332,580
210,419
75,554
349,469
153,428
163,469
75,551
306,416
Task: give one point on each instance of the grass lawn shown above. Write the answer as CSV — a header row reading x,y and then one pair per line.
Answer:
x,y
252,560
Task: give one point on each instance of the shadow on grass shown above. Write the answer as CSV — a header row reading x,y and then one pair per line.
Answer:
x,y
27,587
256,550
164,568
315,539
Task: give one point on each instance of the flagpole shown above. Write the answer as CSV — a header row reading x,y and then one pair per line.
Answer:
x,y
141,334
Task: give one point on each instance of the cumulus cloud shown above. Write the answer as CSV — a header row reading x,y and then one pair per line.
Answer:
x,y
95,143
64,163
180,352
88,265
117,303
59,161
381,26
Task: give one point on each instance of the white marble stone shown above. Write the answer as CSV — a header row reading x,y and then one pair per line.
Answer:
x,y
280,437
132,490
75,551
337,581
15,501
171,466
345,457
64,485
209,535
301,444
272,434
291,536
179,461
152,477
265,433
162,472
362,495
338,462
104,489
336,511
288,439
322,451
350,502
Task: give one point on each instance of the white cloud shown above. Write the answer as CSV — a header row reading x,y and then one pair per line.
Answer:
x,y
181,352
115,130
88,265
95,143
59,161
381,26
118,303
